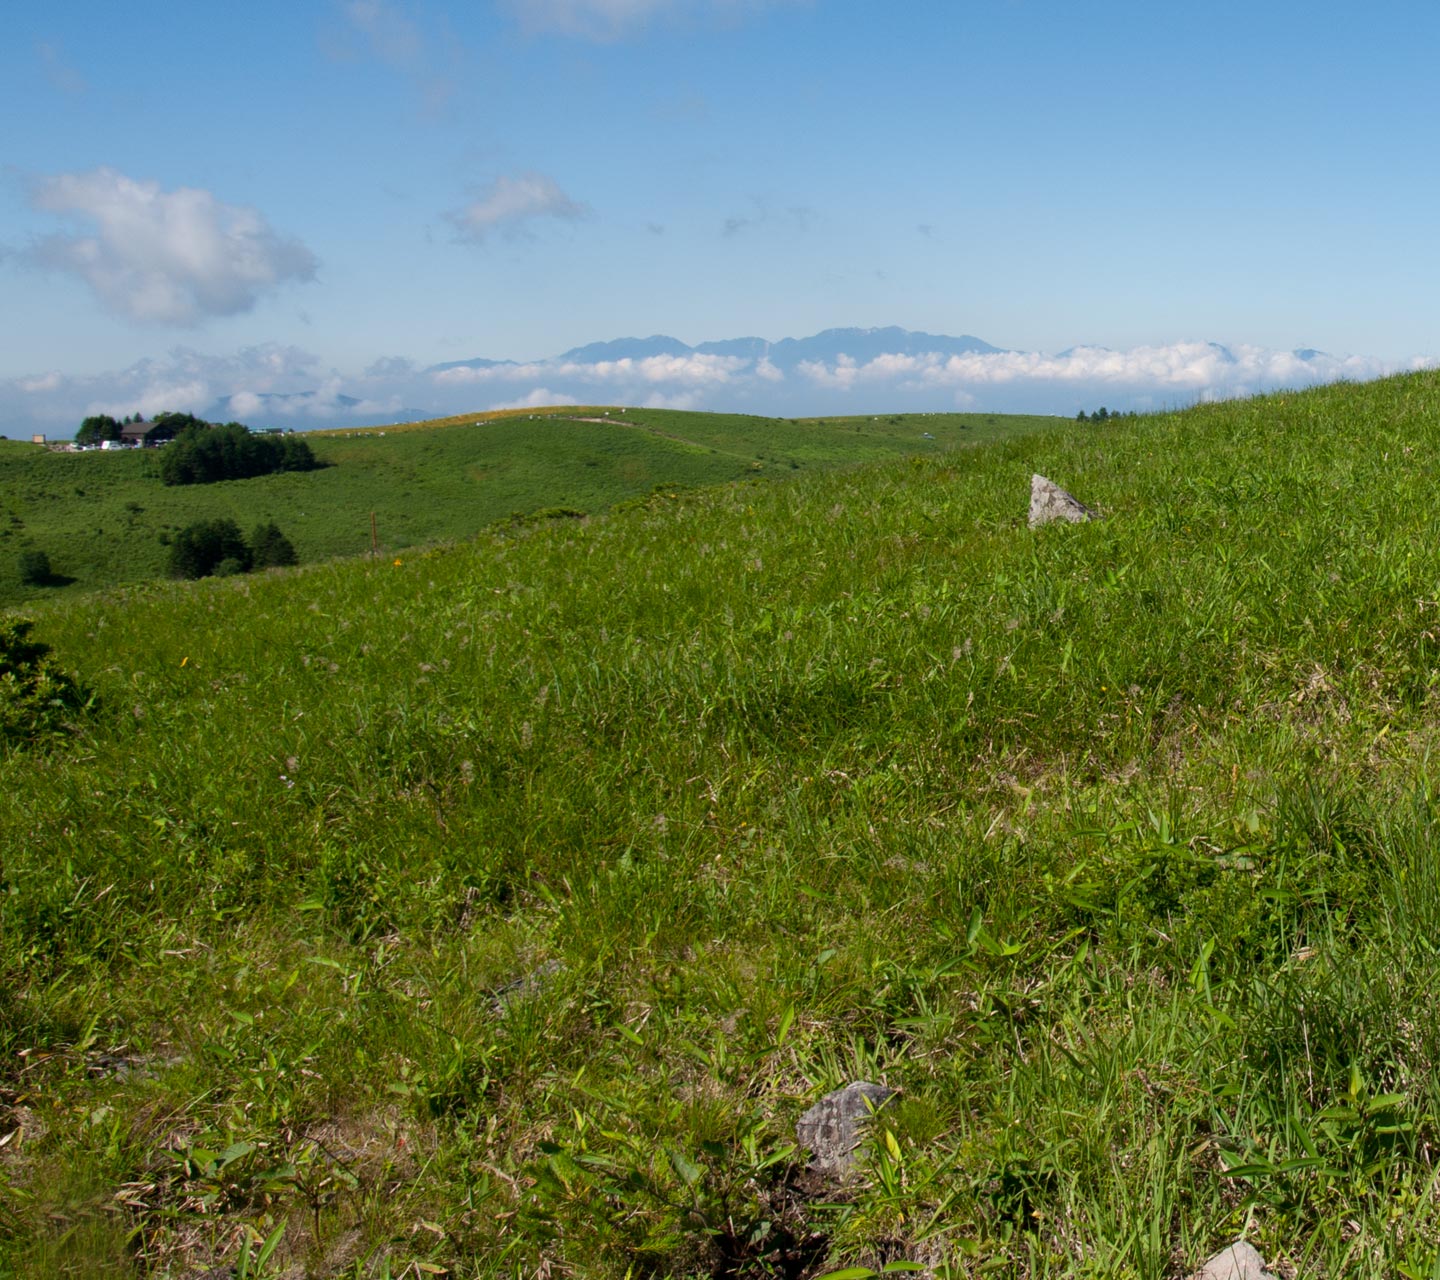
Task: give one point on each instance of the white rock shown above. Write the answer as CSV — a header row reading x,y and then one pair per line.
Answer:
x,y
834,1126
1239,1261
1048,501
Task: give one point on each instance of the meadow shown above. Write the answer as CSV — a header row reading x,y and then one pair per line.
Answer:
x,y
103,518
496,908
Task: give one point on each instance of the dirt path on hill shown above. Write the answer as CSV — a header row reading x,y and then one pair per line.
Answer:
x,y
634,426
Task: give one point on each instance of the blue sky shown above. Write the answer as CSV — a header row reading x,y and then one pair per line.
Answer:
x,y
199,201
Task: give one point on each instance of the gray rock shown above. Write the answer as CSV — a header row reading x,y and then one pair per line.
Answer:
x,y
128,1066
834,1126
1048,501
1239,1261
532,984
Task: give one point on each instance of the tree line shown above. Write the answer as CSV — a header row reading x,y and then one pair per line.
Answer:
x,y
1102,414
100,427
205,454
200,452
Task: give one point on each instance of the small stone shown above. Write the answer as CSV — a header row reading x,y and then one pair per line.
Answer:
x,y
1239,1261
1048,501
833,1127
532,984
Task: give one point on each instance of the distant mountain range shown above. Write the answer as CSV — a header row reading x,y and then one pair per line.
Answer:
x,y
836,371
839,371
860,345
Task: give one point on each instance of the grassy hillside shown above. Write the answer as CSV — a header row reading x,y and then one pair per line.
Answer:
x,y
498,912
101,517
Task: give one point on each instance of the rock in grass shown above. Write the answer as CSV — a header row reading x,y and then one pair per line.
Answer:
x,y
532,984
834,1126
1048,501
1239,1261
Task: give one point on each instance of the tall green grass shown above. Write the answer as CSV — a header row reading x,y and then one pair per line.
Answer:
x,y
1111,847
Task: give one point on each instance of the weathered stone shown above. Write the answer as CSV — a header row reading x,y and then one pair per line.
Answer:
x,y
532,984
834,1126
1048,501
128,1066
1239,1261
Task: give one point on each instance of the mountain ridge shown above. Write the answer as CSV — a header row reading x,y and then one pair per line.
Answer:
x,y
827,346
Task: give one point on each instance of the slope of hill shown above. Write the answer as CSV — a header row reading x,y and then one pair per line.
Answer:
x,y
498,912
101,517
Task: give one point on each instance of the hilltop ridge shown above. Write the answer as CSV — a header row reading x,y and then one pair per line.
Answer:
x,y
106,520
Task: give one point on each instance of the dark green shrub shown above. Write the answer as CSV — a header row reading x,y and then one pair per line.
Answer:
x,y
35,569
199,549
270,548
202,454
98,427
37,698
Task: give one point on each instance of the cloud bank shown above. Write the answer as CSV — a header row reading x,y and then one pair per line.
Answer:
x,y
163,257
286,386
283,385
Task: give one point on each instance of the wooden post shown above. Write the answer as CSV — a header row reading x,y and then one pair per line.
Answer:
x,y
374,536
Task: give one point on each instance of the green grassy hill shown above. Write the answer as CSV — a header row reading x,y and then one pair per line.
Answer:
x,y
101,517
498,912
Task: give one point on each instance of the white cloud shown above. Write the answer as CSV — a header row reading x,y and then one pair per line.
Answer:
x,y
396,39
41,383
540,398
588,19
58,71
693,370
511,202
390,367
185,381
1170,373
611,19
165,257
246,404
689,370
392,36
682,400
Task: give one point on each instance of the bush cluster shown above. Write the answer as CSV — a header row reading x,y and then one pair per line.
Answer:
x,y
37,698
204,454
35,570
217,547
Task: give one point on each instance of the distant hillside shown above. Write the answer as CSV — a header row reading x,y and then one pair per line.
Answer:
x,y
102,518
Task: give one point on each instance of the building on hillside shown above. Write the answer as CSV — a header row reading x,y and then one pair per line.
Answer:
x,y
132,434
38,438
